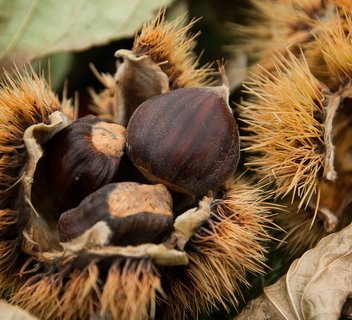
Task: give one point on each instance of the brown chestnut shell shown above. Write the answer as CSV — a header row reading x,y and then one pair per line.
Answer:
x,y
186,138
81,158
135,214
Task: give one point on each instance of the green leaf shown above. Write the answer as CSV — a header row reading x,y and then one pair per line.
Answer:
x,y
54,67
32,29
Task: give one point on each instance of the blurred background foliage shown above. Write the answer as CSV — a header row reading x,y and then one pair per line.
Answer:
x,y
69,58
71,68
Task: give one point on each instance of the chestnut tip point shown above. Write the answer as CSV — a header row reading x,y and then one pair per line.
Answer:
x,y
127,54
122,53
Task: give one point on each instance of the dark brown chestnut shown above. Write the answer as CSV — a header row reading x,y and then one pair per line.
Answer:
x,y
134,213
81,158
186,139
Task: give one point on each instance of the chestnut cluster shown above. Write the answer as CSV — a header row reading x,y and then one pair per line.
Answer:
x,y
185,141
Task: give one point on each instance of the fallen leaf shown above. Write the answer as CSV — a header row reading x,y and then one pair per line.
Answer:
x,y
31,29
315,287
10,312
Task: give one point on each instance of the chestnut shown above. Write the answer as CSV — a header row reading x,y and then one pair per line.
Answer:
x,y
81,158
186,139
134,213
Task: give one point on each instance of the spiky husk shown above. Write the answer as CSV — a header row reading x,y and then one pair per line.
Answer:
x,y
169,45
329,57
8,222
10,249
138,284
161,59
302,231
127,291
57,288
276,25
106,103
25,99
220,253
299,127
285,115
84,286
344,4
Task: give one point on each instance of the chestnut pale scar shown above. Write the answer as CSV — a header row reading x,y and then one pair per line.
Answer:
x,y
125,200
109,138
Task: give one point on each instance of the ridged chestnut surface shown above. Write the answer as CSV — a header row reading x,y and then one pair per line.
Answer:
x,y
186,138
83,157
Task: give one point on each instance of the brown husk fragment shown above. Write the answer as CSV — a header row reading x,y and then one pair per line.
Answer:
x,y
40,231
161,59
136,80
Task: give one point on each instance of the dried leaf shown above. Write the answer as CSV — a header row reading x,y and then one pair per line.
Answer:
x,y
315,287
11,312
36,28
